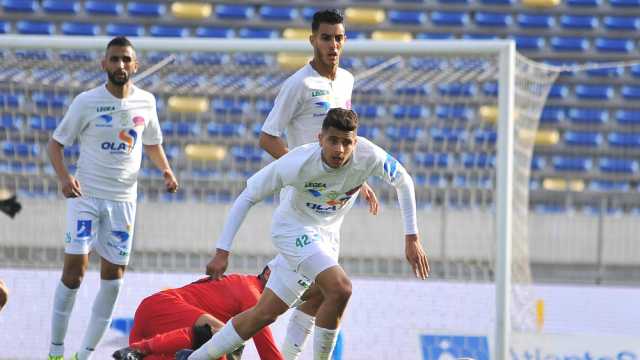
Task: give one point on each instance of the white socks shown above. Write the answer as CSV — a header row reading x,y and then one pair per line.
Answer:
x,y
298,331
324,340
63,301
101,313
224,341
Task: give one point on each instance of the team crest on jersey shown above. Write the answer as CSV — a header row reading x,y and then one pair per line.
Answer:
x,y
319,92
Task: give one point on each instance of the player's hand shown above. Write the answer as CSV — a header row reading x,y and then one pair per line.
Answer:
x,y
170,181
371,198
218,264
416,256
71,187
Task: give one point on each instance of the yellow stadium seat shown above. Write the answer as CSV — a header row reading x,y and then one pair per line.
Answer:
x,y
576,185
187,104
296,34
391,35
557,184
540,3
205,152
547,137
288,61
488,113
364,16
5,193
191,10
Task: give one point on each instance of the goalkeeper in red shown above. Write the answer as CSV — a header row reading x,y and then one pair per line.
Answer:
x,y
325,178
186,317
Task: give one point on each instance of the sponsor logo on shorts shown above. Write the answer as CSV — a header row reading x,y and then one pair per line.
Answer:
x,y
83,229
121,243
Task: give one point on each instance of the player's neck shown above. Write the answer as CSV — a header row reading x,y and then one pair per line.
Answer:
x,y
326,71
118,91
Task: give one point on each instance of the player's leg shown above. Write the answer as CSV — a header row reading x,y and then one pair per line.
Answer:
x,y
113,244
301,323
81,230
336,289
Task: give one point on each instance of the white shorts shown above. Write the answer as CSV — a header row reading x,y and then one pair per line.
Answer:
x,y
103,225
301,259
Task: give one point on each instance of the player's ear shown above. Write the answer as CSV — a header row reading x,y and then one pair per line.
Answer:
x,y
103,63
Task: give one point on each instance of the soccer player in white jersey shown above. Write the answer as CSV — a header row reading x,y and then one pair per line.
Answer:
x,y
112,122
299,109
324,179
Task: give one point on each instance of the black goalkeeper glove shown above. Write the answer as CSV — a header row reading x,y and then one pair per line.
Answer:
x,y
10,206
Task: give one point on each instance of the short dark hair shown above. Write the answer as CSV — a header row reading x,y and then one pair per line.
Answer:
x,y
119,41
328,16
341,119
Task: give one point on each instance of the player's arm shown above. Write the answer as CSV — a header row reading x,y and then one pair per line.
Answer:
x,y
284,110
159,159
262,184
274,145
392,172
65,134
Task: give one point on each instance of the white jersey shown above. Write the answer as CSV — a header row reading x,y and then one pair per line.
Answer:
x,y
320,196
111,132
303,102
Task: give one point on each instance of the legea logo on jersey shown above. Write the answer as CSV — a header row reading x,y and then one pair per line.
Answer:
x,y
105,108
445,347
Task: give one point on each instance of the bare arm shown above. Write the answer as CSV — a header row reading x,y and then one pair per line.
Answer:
x,y
159,159
69,184
273,145
416,256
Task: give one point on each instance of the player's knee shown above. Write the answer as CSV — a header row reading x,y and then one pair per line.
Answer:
x,y
340,292
201,334
72,279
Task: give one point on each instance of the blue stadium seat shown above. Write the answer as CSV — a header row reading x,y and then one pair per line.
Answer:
x,y
583,3
78,55
130,30
77,28
450,18
234,12
407,133
552,115
529,42
628,117
28,27
214,32
454,112
454,2
412,89
226,129
407,17
569,43
429,159
278,13
571,163
594,92
247,153
371,132
582,138
478,160
606,72
631,92
498,2
5,27
582,22
558,91
448,134
44,123
308,12
368,111
20,149
9,122
256,33
624,3
457,89
72,151
593,116
490,88
409,111
181,128
354,34
538,163
229,106
485,136
208,58
8,100
618,165
614,45
623,23
535,20
104,8
19,6
624,139
44,100
146,9
168,31
70,7
493,19
480,36
434,36
635,70
602,185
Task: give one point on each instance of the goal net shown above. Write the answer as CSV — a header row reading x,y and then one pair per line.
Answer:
x,y
440,107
